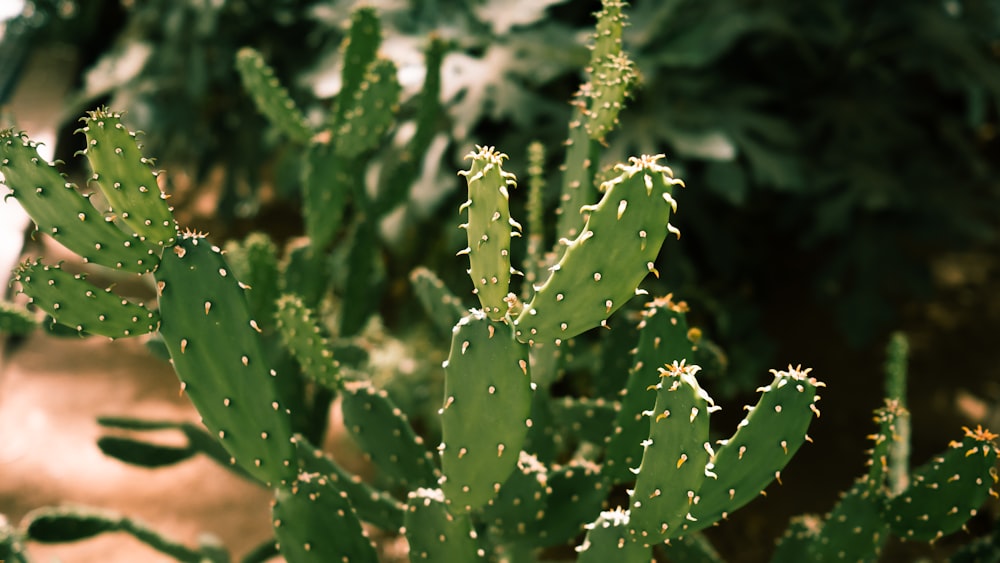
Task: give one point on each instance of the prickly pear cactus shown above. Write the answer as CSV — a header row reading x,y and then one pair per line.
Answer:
x,y
216,353
765,441
489,229
436,534
663,340
608,540
307,511
126,179
674,462
486,381
602,268
62,212
948,490
78,304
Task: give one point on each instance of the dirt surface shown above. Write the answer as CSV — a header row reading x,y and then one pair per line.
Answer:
x,y
51,392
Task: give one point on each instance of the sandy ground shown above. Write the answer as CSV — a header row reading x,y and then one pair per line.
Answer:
x,y
51,392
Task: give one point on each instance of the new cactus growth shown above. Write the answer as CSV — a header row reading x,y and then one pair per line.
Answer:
x,y
126,180
602,267
63,213
765,441
663,340
674,461
489,229
305,339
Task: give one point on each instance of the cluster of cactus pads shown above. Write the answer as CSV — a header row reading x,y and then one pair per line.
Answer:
x,y
517,469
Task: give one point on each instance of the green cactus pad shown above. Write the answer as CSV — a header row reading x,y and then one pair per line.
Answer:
x,y
674,459
602,268
270,96
372,505
795,543
371,112
76,303
854,531
435,534
435,297
305,338
126,178
584,419
514,513
360,49
765,441
607,539
215,349
143,454
305,515
489,228
612,74
578,187
484,420
663,339
437,300
326,190
60,211
948,490
891,418
578,491
255,262
384,433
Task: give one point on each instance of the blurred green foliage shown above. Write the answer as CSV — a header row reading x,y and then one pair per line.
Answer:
x,y
833,147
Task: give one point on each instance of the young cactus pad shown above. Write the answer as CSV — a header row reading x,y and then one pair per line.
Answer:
x,y
602,268
125,178
435,534
215,350
607,540
765,441
62,212
947,491
674,461
489,228
74,302
663,340
484,420
270,96
315,523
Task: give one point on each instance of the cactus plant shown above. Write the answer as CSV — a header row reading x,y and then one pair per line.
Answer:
x,y
925,504
524,463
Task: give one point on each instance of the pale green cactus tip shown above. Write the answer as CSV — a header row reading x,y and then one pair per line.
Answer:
x,y
490,229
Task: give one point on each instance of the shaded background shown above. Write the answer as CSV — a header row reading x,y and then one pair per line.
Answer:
x,y
841,158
